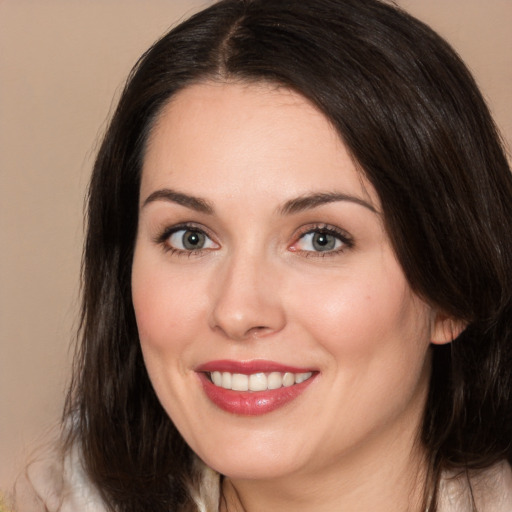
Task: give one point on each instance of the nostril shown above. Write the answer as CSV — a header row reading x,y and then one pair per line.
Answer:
x,y
242,312
259,330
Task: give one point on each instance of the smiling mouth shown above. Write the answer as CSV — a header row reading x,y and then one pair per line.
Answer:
x,y
257,381
253,388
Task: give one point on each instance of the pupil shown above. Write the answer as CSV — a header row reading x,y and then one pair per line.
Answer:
x,y
323,242
193,240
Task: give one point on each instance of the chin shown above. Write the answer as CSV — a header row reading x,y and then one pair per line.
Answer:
x,y
250,459
263,469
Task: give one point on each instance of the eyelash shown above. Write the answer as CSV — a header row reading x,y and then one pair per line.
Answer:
x,y
346,240
343,236
163,239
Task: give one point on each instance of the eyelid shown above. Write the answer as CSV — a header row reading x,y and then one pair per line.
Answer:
x,y
343,236
346,239
164,234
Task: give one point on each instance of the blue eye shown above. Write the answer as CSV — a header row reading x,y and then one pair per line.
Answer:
x,y
189,240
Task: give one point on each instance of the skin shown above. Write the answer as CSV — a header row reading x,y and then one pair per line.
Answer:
x,y
259,289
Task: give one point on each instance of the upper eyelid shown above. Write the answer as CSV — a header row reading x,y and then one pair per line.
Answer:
x,y
328,228
346,239
162,239
164,233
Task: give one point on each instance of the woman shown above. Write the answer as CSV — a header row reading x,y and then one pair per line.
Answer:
x,y
297,274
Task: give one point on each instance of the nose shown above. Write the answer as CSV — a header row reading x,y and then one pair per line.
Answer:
x,y
246,300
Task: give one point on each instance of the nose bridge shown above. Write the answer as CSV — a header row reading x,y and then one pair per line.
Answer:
x,y
246,300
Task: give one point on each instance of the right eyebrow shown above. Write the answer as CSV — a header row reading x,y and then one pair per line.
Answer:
x,y
166,194
310,201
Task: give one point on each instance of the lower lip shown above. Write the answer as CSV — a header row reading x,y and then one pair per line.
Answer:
x,y
251,403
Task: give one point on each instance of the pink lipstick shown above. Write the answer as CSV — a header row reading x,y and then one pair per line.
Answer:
x,y
252,388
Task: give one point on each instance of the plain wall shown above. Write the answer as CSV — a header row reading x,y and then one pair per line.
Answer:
x,y
61,63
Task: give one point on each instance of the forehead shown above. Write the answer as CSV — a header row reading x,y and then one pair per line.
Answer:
x,y
240,137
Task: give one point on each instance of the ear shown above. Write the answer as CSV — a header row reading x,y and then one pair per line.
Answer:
x,y
445,329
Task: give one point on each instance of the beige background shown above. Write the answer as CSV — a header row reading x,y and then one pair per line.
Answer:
x,y
61,63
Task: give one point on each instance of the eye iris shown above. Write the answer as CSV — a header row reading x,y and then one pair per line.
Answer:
x,y
193,240
323,242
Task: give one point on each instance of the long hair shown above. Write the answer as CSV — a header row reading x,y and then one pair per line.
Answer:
x,y
412,118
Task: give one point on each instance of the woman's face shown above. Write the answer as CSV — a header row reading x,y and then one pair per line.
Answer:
x,y
262,263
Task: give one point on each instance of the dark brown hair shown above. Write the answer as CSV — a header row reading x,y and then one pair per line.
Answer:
x,y
413,119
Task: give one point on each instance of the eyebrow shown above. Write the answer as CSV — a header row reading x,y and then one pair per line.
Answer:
x,y
296,205
309,201
194,203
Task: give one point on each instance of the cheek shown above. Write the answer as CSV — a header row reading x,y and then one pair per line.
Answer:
x,y
375,344
151,302
166,315
166,305
371,319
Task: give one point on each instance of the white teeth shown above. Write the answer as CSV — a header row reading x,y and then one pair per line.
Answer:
x,y
226,380
240,382
275,380
301,377
257,381
217,378
288,380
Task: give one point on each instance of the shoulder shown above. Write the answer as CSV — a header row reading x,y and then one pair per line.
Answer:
x,y
57,482
491,490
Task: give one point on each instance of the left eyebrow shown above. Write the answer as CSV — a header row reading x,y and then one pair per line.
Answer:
x,y
194,203
309,201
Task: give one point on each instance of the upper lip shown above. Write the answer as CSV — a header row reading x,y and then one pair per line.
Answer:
x,y
249,367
